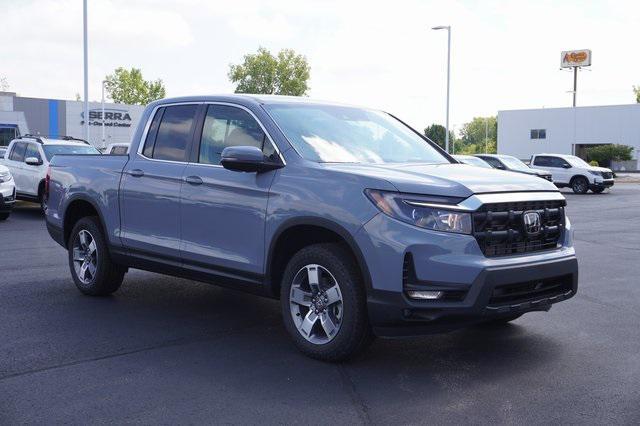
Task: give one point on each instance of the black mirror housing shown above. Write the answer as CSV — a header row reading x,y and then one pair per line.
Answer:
x,y
247,159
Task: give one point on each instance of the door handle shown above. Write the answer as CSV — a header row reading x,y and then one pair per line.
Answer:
x,y
193,180
136,173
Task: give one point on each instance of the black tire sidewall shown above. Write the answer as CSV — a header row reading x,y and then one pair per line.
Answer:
x,y
354,321
105,280
580,179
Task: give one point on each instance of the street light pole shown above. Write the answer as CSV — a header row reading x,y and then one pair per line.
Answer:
x,y
448,28
103,141
486,134
86,73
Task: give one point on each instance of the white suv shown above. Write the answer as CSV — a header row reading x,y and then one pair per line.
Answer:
x,y
27,158
574,172
7,193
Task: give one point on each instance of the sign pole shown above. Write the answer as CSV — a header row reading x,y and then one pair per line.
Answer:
x,y
85,132
575,84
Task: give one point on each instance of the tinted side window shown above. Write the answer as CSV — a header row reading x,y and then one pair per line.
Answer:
x,y
558,162
152,133
17,153
542,161
32,151
229,126
174,133
493,162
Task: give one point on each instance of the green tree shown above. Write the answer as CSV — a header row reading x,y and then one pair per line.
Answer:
x,y
262,73
603,154
437,132
478,135
129,87
636,91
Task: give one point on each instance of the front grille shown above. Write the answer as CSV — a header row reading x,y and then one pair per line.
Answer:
x,y
499,228
529,291
607,175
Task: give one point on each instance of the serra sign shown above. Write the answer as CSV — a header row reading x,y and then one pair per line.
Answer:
x,y
112,117
575,58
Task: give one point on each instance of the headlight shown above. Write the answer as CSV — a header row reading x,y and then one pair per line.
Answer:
x,y
595,173
5,177
433,213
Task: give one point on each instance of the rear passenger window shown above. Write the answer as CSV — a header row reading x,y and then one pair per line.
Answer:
x,y
173,133
229,126
17,153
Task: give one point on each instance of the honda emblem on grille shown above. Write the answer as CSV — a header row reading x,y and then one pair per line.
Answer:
x,y
532,223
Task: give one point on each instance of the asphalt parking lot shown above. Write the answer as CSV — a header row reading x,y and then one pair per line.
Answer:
x,y
166,350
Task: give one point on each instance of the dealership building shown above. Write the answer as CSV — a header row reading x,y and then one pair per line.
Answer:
x,y
55,117
522,133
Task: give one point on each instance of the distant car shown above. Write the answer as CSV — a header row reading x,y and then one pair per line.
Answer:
x,y
7,193
117,149
28,158
507,162
3,149
574,172
472,161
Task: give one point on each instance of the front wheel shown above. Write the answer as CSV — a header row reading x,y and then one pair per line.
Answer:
x,y
324,304
4,216
580,185
597,190
91,267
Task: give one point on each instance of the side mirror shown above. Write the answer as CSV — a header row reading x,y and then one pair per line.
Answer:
x,y
33,161
566,166
246,159
501,167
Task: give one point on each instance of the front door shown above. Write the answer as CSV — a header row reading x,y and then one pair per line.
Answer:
x,y
223,211
15,160
152,182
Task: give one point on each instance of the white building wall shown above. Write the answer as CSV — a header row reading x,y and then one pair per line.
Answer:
x,y
616,124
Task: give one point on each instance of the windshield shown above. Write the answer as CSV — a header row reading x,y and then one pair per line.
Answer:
x,y
515,164
336,134
51,150
576,161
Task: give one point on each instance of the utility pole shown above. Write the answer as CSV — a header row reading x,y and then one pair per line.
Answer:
x,y
486,134
448,28
85,129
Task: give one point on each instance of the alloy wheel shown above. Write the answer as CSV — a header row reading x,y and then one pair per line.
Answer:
x,y
85,256
316,304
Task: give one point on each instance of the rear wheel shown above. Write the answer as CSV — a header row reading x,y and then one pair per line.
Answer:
x,y
91,267
324,304
580,185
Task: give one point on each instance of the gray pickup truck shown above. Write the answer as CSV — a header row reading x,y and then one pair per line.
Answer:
x,y
356,222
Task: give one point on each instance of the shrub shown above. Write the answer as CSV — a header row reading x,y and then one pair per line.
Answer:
x,y
594,163
607,153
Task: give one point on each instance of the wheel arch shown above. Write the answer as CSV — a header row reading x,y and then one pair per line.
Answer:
x,y
574,177
287,240
77,208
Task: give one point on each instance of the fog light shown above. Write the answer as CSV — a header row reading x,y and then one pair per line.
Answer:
x,y
425,295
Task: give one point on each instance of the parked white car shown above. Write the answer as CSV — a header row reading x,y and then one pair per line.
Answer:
x,y
472,161
7,193
28,157
574,172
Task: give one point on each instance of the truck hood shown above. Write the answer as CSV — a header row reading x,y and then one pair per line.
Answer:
x,y
453,180
600,169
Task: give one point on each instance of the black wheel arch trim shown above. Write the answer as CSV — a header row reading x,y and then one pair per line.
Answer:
x,y
322,223
80,197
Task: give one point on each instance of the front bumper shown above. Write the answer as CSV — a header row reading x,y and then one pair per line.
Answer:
x,y
454,263
602,183
7,199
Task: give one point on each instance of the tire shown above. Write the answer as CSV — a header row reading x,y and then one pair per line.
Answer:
x,y
4,216
41,200
580,185
598,190
101,276
343,306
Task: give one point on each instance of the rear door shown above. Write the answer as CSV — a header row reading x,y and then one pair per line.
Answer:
x,y
223,211
15,162
152,183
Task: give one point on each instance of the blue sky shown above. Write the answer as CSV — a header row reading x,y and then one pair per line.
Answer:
x,y
505,54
